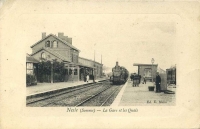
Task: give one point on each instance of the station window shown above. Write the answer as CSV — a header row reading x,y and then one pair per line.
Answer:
x,y
55,44
29,68
43,55
47,44
75,72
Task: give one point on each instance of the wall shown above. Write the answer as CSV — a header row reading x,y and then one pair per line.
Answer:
x,y
50,38
141,71
99,70
163,84
38,56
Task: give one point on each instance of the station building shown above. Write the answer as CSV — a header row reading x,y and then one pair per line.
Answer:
x,y
51,47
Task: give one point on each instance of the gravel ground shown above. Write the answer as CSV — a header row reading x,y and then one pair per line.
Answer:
x,y
112,98
76,99
102,97
73,98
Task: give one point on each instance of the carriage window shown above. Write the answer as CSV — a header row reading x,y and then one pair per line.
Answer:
x,y
47,44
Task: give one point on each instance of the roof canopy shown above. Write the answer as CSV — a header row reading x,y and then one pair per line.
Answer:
x,y
31,59
137,64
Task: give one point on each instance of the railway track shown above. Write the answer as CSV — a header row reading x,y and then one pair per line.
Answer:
x,y
102,98
99,94
41,100
71,98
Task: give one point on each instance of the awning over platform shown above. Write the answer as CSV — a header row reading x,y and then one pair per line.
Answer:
x,y
138,64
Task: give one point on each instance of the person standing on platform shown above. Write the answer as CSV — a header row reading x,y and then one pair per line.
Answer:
x,y
93,78
133,79
84,76
87,77
144,81
158,81
139,78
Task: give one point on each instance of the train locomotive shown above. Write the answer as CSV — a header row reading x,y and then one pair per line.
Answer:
x,y
119,74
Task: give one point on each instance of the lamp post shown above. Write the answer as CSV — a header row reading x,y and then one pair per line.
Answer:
x,y
152,61
94,73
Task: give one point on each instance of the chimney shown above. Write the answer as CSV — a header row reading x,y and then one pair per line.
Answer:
x,y
60,35
43,35
117,63
69,40
65,38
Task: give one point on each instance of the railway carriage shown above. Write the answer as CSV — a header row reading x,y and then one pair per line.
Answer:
x,y
171,75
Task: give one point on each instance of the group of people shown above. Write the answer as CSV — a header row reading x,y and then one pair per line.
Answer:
x,y
87,78
137,79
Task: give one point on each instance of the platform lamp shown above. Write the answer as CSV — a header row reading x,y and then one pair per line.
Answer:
x,y
152,61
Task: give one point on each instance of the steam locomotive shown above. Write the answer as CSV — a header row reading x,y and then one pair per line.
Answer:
x,y
119,74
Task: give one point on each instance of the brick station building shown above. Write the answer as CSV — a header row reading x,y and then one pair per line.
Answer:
x,y
60,48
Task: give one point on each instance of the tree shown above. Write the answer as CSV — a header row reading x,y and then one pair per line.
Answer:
x,y
44,71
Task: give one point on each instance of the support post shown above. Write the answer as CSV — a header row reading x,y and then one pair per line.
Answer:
x,y
78,72
51,71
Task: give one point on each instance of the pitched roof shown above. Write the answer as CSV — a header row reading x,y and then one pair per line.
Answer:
x,y
80,64
90,60
63,41
31,59
53,53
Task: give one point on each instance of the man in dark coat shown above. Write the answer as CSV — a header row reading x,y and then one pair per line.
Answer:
x,y
139,78
135,80
131,77
158,81
93,78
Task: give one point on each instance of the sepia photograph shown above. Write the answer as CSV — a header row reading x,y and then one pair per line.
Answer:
x,y
57,75
99,64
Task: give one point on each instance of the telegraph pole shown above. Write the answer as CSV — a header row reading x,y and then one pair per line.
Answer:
x,y
94,65
101,66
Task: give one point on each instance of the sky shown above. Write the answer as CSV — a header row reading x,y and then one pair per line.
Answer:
x,y
117,37
124,37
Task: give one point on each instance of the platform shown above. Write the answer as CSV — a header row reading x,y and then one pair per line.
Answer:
x,y
47,87
141,96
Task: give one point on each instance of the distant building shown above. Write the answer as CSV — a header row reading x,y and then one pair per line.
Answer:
x,y
60,48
